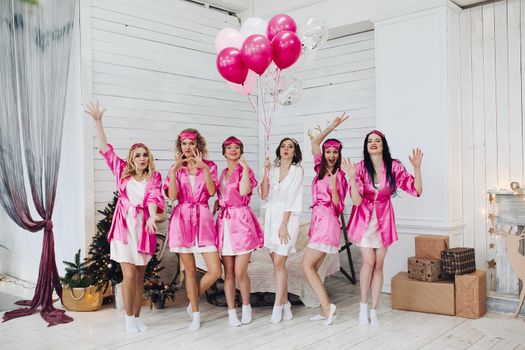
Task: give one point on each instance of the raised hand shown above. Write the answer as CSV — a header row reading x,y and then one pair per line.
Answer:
x,y
197,158
93,109
179,163
243,163
338,121
417,158
348,167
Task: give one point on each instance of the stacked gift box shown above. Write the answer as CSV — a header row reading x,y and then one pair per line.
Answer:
x,y
440,280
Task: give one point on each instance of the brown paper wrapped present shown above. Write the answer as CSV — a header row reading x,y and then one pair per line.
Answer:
x,y
430,247
413,295
458,261
471,294
428,270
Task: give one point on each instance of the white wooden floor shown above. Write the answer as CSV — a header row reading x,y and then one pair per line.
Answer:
x,y
399,329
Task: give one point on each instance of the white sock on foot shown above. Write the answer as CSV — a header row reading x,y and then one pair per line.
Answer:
x,y
317,318
287,311
196,321
131,324
141,325
189,310
233,320
363,313
246,314
277,314
374,321
331,315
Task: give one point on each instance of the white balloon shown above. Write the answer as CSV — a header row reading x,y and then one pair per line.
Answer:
x,y
291,94
313,33
253,25
306,59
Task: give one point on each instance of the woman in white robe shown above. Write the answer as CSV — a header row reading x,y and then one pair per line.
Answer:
x,y
282,189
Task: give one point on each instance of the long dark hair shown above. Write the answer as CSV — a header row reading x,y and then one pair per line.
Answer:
x,y
324,165
297,154
387,160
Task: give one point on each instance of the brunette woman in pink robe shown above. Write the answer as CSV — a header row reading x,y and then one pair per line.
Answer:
x,y
132,233
237,226
329,188
192,180
373,181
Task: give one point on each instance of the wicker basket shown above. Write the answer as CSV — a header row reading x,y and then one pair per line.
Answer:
x,y
82,299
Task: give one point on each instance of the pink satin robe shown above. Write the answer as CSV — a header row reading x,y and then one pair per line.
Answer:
x,y
360,217
191,218
152,195
325,227
245,231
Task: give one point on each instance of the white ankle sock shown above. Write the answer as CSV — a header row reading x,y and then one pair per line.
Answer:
x,y
277,314
131,324
287,311
374,321
331,315
246,314
233,320
363,313
189,310
141,325
196,321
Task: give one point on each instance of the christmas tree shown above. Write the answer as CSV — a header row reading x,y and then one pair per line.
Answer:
x,y
101,268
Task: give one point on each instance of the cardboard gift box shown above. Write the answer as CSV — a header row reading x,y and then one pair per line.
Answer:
x,y
413,295
471,294
428,270
458,261
430,247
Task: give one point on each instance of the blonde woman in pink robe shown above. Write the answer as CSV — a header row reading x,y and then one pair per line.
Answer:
x,y
191,181
373,181
329,188
132,234
238,228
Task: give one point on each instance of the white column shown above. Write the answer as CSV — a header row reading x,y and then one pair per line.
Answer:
x,y
417,82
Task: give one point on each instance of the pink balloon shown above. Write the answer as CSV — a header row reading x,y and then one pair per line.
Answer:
x,y
256,53
228,37
247,87
280,23
286,49
230,65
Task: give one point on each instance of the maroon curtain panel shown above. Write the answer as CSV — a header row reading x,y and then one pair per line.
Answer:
x,y
35,45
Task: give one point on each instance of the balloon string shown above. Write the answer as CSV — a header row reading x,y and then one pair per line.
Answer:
x,y
277,79
252,103
265,121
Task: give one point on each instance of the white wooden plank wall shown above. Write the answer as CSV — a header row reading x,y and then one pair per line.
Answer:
x,y
492,69
154,71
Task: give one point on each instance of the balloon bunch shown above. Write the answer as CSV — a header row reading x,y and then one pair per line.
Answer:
x,y
264,49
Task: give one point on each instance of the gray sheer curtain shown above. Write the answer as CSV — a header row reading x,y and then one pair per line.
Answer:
x,y
35,45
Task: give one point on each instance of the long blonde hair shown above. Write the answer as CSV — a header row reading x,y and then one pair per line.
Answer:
x,y
201,142
130,167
